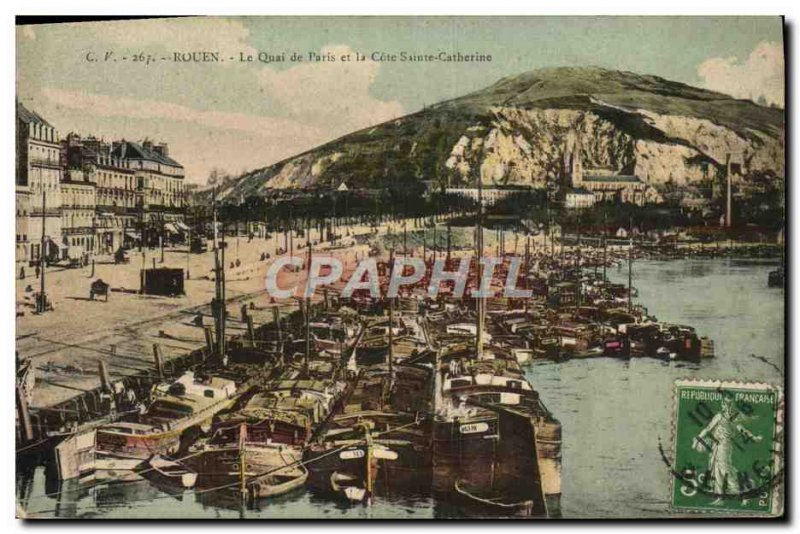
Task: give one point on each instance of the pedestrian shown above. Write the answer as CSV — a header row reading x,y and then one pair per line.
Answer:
x,y
37,270
22,273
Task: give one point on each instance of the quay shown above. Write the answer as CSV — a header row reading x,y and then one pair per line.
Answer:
x,y
362,397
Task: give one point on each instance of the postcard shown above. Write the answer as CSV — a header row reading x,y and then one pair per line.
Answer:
x,y
400,268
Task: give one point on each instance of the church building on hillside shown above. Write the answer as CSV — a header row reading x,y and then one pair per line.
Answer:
x,y
610,185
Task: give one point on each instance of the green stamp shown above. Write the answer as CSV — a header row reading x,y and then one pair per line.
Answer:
x,y
728,447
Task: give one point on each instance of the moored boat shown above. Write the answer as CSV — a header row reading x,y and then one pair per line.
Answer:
x,y
257,446
380,439
171,472
495,502
187,402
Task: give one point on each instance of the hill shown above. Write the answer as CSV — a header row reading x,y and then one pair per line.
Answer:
x,y
522,129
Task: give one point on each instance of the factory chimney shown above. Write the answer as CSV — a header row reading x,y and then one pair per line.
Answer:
x,y
728,196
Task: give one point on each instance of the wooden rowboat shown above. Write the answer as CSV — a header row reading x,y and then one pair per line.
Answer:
x,y
278,482
351,487
172,472
494,503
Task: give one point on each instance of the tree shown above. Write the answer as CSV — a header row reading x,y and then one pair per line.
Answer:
x,y
213,177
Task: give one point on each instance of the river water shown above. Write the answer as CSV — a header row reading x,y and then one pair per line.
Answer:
x,y
613,412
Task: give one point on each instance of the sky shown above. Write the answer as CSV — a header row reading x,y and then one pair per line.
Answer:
x,y
237,115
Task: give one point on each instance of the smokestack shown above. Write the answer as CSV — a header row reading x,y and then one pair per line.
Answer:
x,y
728,198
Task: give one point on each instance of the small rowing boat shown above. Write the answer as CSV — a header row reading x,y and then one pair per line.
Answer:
x,y
494,502
172,472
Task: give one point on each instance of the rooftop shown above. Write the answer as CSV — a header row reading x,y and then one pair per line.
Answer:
x,y
131,150
28,116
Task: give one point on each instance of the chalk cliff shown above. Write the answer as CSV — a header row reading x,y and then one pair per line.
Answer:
x,y
523,129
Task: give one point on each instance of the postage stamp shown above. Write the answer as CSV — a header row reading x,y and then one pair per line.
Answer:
x,y
728,447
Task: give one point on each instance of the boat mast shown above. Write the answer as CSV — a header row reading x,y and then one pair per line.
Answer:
x,y
578,270
219,287
223,310
291,234
435,244
630,263
405,237
391,333
526,271
308,305
479,245
448,243
368,466
604,244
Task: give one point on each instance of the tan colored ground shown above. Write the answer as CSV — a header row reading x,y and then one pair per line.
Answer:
x,y
80,332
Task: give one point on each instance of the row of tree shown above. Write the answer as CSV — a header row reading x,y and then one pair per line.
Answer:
x,y
297,208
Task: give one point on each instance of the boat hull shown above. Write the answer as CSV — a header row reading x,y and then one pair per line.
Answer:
x,y
269,470
113,441
139,447
512,450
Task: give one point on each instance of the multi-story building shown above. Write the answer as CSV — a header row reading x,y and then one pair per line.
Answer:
x,y
38,188
87,196
23,205
78,201
159,186
606,184
116,217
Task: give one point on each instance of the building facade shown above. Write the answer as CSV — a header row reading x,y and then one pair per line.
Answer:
x,y
161,196
579,198
609,185
490,195
83,196
78,204
38,187
117,211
